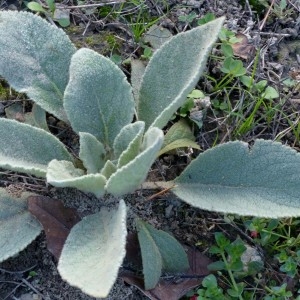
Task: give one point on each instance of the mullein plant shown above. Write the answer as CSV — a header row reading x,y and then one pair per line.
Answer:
x,y
91,94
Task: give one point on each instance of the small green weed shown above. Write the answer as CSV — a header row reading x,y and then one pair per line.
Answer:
x,y
234,272
263,96
195,107
188,19
280,239
61,16
235,92
230,265
147,53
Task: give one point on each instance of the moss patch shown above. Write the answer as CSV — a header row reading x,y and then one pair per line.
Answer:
x,y
102,42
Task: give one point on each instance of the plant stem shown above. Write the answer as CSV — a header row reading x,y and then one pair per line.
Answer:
x,y
231,275
154,185
227,79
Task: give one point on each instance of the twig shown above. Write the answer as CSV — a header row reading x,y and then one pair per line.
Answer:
x,y
16,272
13,291
155,185
267,15
273,34
297,8
93,5
33,288
160,193
249,8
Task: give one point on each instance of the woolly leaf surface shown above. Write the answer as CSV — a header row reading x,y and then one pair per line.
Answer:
x,y
173,71
35,58
129,177
94,251
262,180
127,134
151,257
64,174
18,228
28,149
92,153
98,99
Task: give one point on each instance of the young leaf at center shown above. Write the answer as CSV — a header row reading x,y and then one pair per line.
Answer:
x,y
62,173
128,178
92,153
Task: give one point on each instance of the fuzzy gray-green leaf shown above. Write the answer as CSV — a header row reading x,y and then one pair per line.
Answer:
x,y
129,177
157,35
92,153
64,174
138,68
174,257
180,143
98,98
125,137
173,71
38,117
134,144
108,169
18,228
28,149
262,180
94,251
178,136
151,257
35,58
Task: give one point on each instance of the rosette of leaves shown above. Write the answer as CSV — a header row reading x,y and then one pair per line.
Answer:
x,y
89,92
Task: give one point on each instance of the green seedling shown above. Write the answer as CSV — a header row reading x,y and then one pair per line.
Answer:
x,y
220,105
231,261
278,293
206,18
231,272
195,107
232,68
61,16
281,10
211,289
289,262
275,234
277,237
147,53
227,38
189,104
231,269
188,18
263,95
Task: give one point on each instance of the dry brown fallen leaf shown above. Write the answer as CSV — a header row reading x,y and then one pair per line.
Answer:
x,y
242,49
172,288
56,219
